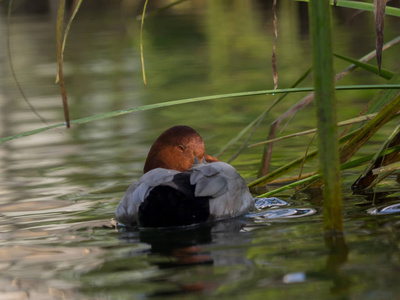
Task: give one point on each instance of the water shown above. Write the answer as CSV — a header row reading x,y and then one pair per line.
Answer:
x,y
59,188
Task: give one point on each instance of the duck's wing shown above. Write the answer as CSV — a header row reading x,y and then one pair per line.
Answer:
x,y
210,179
126,212
229,194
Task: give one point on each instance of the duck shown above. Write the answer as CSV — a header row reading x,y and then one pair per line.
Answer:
x,y
183,186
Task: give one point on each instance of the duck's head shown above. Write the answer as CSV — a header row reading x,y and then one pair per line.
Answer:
x,y
176,148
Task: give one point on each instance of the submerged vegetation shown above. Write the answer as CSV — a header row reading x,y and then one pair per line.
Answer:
x,y
335,153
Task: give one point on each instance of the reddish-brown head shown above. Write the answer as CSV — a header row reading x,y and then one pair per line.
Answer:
x,y
175,149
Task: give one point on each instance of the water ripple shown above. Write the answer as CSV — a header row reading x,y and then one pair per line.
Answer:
x,y
384,210
284,213
271,210
262,203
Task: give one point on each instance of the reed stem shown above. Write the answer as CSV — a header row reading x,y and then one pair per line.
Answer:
x,y
320,30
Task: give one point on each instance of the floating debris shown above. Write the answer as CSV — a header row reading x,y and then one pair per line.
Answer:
x,y
294,277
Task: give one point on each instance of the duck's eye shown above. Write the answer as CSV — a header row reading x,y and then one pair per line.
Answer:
x,y
180,148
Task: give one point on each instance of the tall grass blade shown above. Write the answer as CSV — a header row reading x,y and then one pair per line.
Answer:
x,y
282,170
290,186
367,178
348,165
321,41
60,33
392,97
383,98
387,95
257,122
379,17
159,10
141,43
267,155
382,73
366,58
390,11
274,66
292,165
314,130
389,168
193,100
76,8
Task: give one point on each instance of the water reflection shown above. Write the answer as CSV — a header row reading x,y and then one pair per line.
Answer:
x,y
200,251
180,249
338,255
187,249
163,253
336,259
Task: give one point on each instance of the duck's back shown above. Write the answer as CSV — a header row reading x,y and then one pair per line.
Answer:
x,y
165,198
174,204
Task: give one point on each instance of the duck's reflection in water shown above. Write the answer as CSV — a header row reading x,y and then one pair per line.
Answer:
x,y
182,246
189,248
203,258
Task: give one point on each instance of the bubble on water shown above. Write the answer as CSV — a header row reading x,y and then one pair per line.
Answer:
x,y
384,210
284,213
262,203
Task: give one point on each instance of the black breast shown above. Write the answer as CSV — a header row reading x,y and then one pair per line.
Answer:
x,y
166,206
